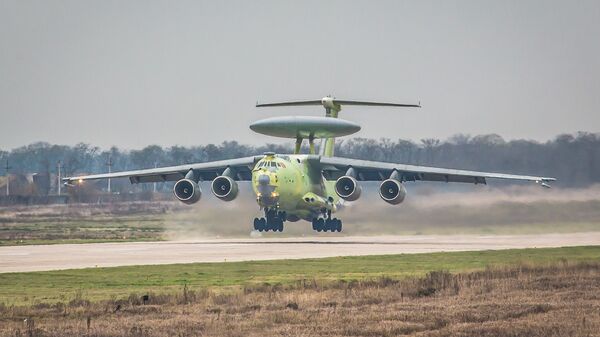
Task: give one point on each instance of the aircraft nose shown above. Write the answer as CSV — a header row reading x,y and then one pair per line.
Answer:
x,y
264,179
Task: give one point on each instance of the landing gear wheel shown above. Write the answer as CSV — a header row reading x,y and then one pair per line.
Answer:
x,y
262,224
273,220
327,225
318,224
256,224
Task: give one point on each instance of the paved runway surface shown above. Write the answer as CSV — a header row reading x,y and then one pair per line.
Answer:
x,y
53,257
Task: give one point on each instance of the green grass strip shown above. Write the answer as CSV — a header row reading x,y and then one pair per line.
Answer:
x,y
106,283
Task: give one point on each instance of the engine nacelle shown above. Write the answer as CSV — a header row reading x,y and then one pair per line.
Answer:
x,y
187,191
392,191
347,188
224,188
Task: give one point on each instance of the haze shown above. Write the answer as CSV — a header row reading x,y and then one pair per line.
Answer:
x,y
138,72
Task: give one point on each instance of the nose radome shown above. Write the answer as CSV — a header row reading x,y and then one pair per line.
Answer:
x,y
264,179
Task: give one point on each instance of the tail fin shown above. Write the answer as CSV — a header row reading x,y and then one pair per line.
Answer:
x,y
327,147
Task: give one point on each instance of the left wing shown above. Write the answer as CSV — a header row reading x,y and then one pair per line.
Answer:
x,y
334,167
240,168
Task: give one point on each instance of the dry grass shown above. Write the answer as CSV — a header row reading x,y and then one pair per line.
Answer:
x,y
130,221
562,299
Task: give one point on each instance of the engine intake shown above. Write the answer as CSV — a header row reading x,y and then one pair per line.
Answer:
x,y
224,188
392,191
187,191
347,188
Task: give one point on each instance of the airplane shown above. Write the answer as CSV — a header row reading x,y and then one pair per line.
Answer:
x,y
297,186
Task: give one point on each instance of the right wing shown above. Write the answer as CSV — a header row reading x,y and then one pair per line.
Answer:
x,y
241,169
335,167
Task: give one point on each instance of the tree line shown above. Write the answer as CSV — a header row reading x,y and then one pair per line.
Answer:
x,y
572,158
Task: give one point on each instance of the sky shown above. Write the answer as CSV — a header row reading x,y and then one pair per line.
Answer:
x,y
135,73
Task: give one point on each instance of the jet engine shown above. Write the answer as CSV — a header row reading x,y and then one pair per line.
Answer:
x,y
224,188
347,188
187,191
392,191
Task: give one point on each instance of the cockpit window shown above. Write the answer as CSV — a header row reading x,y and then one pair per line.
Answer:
x,y
270,164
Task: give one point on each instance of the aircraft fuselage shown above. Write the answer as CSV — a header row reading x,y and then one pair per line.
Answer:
x,y
290,184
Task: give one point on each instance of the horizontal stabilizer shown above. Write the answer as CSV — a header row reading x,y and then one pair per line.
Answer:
x,y
329,102
344,102
296,103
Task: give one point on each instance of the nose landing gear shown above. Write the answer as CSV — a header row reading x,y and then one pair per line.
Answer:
x,y
273,221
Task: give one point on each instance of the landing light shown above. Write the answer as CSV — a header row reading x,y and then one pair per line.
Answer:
x,y
80,181
274,194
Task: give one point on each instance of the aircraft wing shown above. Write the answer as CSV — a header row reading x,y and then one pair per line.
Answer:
x,y
334,167
241,168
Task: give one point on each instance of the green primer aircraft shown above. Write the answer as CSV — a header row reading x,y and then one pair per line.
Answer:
x,y
311,187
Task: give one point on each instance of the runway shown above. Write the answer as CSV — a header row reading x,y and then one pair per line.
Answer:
x,y
55,257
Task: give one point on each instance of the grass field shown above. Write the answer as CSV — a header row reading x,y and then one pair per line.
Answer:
x,y
529,292
105,283
27,225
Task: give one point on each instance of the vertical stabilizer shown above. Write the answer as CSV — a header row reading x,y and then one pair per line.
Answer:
x,y
327,147
331,110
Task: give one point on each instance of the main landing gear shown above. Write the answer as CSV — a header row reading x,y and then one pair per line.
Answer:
x,y
328,224
273,221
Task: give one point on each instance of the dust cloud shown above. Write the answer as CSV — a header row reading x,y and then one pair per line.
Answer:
x,y
428,209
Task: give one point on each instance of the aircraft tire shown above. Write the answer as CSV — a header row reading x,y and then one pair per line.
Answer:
x,y
330,225
256,224
262,224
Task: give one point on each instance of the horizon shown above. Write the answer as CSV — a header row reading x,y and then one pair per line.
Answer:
x,y
286,142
